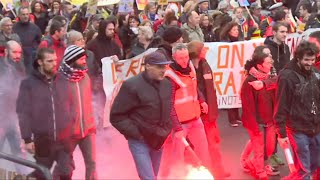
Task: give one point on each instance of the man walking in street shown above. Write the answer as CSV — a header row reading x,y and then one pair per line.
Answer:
x,y
297,110
82,129
188,103
12,72
41,112
142,112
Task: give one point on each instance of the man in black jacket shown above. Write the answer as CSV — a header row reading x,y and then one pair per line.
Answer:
x,y
30,36
142,112
40,109
297,110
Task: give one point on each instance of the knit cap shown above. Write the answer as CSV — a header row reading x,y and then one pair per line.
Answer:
x,y
72,54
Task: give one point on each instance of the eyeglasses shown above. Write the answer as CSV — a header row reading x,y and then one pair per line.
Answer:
x,y
8,25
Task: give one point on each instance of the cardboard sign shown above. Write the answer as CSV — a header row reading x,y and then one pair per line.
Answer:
x,y
243,2
78,2
125,6
92,8
163,2
141,4
107,2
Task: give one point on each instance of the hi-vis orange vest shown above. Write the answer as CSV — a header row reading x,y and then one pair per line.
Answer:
x,y
186,99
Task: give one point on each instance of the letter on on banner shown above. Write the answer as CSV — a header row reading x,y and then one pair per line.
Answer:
x,y
114,73
227,61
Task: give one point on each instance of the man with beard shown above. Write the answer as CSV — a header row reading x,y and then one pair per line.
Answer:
x,y
297,110
30,35
104,45
82,129
42,111
12,72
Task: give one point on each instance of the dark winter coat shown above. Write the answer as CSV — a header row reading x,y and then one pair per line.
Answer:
x,y
42,108
142,109
209,36
41,21
313,22
257,105
137,48
103,46
294,101
206,87
280,53
30,36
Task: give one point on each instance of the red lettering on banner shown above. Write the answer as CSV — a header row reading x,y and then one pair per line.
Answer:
x,y
240,55
230,83
118,67
256,45
220,66
133,66
218,82
114,74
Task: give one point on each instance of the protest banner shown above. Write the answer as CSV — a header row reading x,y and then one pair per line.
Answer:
x,y
227,61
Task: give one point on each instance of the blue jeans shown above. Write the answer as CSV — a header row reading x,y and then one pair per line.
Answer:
x,y
306,151
147,160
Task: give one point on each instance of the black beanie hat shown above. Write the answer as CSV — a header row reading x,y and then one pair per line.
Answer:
x,y
172,34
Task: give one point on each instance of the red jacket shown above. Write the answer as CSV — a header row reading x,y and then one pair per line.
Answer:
x,y
58,46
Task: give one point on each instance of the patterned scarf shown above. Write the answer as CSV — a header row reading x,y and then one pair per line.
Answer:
x,y
258,74
71,73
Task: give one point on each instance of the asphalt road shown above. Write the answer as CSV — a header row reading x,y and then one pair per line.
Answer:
x,y
114,160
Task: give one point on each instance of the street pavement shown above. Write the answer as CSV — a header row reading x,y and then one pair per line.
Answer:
x,y
114,160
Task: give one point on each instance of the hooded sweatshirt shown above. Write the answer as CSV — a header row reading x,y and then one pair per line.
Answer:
x,y
103,46
280,53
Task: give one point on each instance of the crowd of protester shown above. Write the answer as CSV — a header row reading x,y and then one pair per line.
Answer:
x,y
52,50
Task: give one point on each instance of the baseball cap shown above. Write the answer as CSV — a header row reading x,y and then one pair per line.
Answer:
x,y
156,58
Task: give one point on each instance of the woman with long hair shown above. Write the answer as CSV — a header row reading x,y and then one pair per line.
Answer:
x,y
230,33
207,28
55,9
41,17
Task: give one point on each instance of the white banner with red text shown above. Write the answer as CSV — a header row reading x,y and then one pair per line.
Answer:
x,y
227,61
